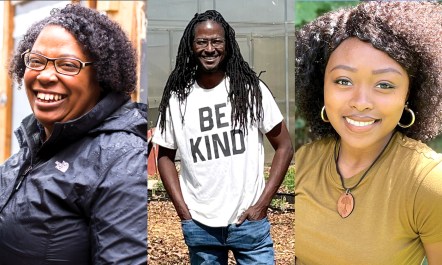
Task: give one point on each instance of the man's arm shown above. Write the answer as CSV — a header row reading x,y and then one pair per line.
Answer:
x,y
279,138
169,177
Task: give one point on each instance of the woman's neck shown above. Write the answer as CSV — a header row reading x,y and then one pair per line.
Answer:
x,y
47,133
353,160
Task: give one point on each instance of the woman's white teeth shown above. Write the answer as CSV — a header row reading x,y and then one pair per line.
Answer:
x,y
49,97
359,123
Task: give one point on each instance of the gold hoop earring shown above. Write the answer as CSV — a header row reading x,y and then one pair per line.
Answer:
x,y
412,117
323,115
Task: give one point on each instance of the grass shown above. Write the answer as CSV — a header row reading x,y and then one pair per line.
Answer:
x,y
288,185
281,204
289,180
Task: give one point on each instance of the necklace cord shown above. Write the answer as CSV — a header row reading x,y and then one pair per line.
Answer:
x,y
336,156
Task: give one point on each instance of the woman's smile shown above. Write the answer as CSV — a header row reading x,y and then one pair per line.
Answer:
x,y
359,123
49,97
364,94
53,96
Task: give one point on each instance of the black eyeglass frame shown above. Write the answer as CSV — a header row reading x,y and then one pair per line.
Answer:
x,y
48,59
222,42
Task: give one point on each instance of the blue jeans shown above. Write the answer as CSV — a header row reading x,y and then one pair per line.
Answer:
x,y
250,243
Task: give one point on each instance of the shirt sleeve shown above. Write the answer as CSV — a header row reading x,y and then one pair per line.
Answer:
x,y
271,114
428,206
119,211
165,137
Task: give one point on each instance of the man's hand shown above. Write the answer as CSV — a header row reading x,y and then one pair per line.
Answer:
x,y
279,138
185,215
169,177
254,213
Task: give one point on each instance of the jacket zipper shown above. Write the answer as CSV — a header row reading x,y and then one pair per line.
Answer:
x,y
21,178
17,186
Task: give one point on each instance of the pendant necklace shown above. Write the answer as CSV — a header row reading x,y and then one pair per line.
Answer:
x,y
346,202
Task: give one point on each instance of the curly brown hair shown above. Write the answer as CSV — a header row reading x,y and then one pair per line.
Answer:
x,y
410,32
101,38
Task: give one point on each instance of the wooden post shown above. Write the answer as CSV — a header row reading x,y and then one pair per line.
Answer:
x,y
130,15
88,3
6,83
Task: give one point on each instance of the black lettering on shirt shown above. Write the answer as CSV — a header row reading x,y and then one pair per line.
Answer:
x,y
219,144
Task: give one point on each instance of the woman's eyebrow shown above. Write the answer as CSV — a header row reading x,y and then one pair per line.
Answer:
x,y
386,70
375,72
344,67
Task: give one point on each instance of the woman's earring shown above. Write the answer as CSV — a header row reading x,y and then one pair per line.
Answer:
x,y
323,115
412,117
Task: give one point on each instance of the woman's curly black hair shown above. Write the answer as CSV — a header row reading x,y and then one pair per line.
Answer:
x,y
103,40
410,32
244,83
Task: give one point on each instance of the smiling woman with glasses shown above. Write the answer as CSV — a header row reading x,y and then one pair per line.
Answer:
x,y
75,193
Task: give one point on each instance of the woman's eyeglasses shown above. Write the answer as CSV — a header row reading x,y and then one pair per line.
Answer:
x,y
65,66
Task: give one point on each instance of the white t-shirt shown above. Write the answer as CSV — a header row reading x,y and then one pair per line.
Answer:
x,y
222,169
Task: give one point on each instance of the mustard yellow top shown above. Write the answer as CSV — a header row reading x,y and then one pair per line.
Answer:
x,y
398,206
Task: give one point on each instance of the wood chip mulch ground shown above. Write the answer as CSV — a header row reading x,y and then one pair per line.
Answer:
x,y
166,244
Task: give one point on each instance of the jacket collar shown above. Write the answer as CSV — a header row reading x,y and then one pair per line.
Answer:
x,y
64,133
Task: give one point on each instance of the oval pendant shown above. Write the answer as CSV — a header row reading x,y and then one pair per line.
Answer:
x,y
346,204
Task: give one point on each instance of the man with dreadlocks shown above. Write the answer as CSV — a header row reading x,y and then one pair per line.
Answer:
x,y
215,111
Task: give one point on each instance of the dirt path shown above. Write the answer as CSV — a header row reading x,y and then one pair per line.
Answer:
x,y
166,244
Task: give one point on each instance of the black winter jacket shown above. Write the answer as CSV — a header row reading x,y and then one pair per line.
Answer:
x,y
80,197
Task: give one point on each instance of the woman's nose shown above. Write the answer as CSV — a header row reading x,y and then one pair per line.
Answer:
x,y
49,74
361,99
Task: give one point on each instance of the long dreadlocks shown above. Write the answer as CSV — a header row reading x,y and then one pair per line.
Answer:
x,y
244,95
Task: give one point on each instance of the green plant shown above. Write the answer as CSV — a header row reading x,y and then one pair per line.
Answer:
x,y
288,184
289,180
436,144
158,190
280,204
159,186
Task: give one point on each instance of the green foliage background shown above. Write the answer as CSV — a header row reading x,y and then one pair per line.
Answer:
x,y
306,11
